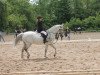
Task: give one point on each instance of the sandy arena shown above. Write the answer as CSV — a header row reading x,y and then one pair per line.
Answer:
x,y
79,56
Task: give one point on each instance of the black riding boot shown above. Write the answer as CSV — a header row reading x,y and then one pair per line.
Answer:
x,y
44,38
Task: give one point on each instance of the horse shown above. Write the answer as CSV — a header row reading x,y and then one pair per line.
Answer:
x,y
1,36
32,37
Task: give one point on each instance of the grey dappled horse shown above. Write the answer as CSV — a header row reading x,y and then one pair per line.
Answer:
x,y
1,36
32,37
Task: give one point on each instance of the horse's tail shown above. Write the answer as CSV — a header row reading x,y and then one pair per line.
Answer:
x,y
18,38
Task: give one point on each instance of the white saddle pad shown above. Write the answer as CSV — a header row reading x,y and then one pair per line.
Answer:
x,y
45,33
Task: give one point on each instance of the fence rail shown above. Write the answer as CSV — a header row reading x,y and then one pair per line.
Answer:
x,y
74,72
82,40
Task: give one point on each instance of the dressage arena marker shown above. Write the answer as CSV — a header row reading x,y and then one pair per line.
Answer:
x,y
70,72
82,40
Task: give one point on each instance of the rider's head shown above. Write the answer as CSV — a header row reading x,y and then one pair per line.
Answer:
x,y
39,18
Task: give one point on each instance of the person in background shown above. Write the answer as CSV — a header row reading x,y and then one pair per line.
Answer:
x,y
67,33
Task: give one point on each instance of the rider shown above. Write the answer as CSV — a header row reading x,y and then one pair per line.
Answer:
x,y
40,28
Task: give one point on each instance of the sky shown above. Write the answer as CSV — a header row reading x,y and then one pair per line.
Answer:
x,y
33,1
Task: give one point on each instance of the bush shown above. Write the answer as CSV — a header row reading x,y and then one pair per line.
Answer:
x,y
92,23
76,22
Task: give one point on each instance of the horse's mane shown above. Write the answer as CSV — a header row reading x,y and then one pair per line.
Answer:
x,y
52,28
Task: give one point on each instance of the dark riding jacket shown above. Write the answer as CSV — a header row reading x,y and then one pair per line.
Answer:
x,y
40,26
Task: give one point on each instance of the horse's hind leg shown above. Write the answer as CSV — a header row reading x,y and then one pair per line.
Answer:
x,y
2,38
46,47
54,48
22,53
23,50
26,48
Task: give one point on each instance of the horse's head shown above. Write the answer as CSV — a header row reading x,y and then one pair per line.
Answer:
x,y
54,30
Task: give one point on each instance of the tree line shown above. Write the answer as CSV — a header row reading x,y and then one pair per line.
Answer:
x,y
73,13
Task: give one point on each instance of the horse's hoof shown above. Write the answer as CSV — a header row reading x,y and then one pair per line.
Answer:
x,y
27,57
54,55
46,57
22,57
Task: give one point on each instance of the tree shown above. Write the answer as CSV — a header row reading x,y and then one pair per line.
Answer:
x,y
63,11
96,6
20,13
78,9
3,12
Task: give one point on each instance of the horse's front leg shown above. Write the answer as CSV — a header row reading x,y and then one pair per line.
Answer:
x,y
54,48
23,50
46,47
